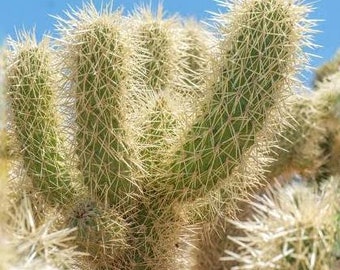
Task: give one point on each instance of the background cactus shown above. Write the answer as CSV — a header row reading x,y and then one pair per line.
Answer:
x,y
327,69
134,179
309,147
294,227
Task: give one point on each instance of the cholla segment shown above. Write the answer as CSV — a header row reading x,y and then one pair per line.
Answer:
x,y
31,87
257,60
98,58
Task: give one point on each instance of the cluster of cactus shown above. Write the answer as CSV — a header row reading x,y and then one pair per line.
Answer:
x,y
146,133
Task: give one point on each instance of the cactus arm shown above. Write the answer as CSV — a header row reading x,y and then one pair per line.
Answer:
x,y
97,56
254,62
30,86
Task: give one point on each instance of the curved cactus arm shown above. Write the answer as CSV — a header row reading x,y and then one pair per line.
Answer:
x,y
31,85
260,51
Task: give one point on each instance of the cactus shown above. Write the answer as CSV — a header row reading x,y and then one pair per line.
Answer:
x,y
327,100
92,46
234,112
31,85
309,146
37,247
299,145
197,58
196,140
294,227
323,72
158,57
313,155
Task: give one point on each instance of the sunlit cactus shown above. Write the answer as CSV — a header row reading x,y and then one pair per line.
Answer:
x,y
309,146
155,115
197,59
327,69
298,148
101,232
235,111
32,246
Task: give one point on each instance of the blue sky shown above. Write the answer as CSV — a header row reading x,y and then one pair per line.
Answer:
x,y
16,14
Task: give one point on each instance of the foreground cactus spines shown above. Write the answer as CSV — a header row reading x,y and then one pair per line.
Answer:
x,y
28,245
294,227
196,137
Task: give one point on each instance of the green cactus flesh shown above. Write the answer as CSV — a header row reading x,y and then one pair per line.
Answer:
x,y
31,93
100,78
251,75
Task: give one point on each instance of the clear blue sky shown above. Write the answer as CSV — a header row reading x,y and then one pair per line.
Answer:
x,y
30,13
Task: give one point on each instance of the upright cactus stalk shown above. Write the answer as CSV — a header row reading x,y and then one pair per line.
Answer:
x,y
31,86
160,78
159,130
160,48
98,56
197,59
158,52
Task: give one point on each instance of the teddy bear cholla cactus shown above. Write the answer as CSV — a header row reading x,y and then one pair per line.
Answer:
x,y
293,227
258,53
327,69
310,145
31,84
